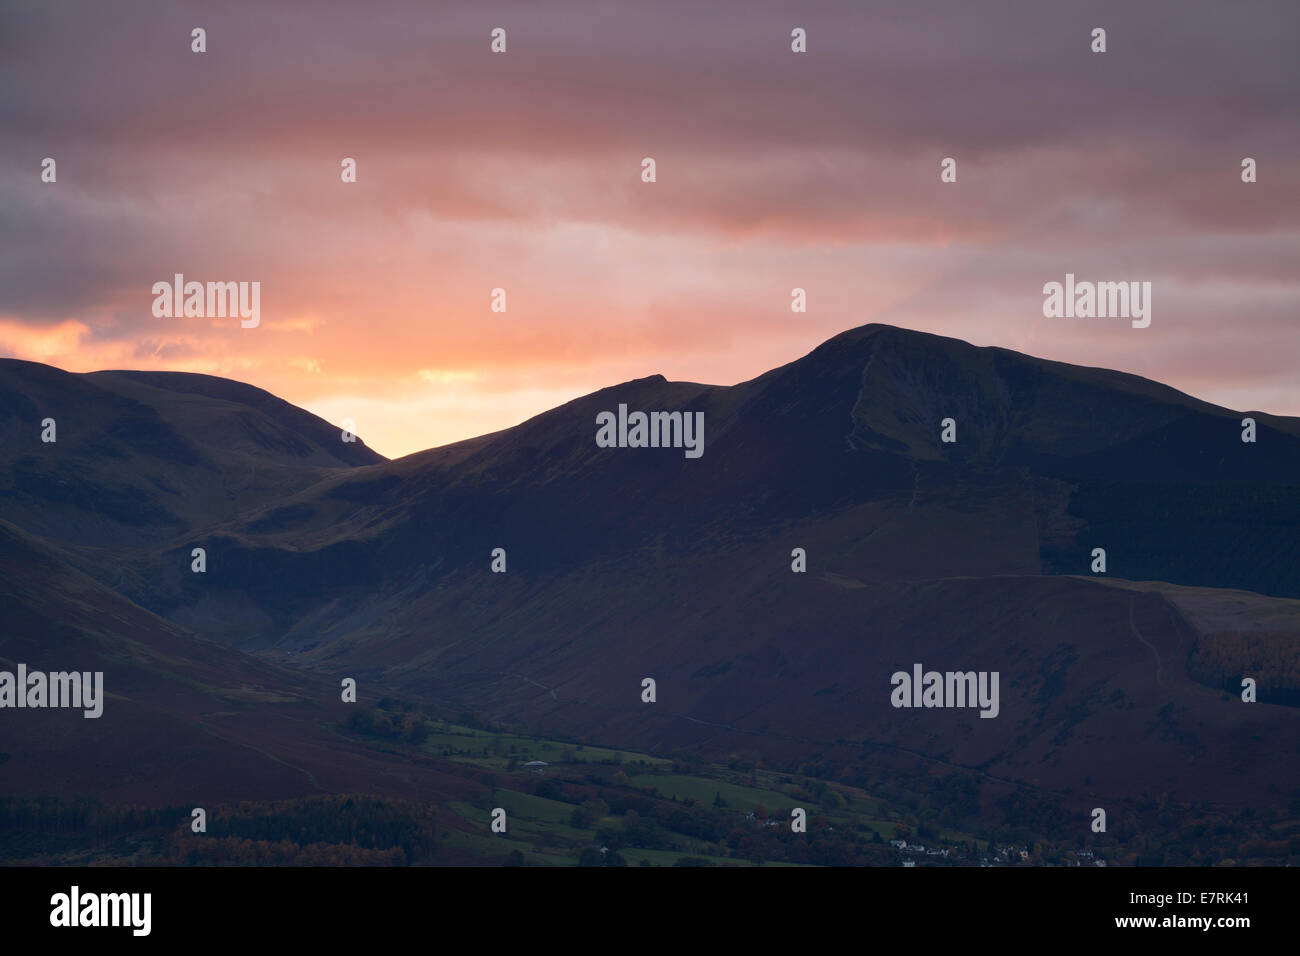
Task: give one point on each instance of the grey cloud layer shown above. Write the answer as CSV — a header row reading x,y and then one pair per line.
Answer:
x,y
227,160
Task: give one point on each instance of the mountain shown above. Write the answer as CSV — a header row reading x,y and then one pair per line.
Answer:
x,y
184,720
633,563
140,457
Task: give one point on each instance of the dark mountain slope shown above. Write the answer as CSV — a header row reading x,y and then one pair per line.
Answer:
x,y
626,563
141,457
1068,459
184,720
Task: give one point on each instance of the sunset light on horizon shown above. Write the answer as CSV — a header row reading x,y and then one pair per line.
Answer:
x,y
523,173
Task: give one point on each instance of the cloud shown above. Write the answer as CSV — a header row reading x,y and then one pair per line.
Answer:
x,y
775,170
41,344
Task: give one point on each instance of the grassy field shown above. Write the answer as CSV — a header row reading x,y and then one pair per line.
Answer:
x,y
589,806
576,804
494,750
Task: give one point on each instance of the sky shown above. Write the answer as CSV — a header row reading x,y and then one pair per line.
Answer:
x,y
522,171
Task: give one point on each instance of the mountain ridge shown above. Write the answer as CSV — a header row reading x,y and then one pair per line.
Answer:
x,y
623,563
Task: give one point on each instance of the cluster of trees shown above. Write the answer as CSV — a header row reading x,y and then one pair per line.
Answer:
x,y
389,724
233,851
40,830
48,815
1272,658
349,829
648,821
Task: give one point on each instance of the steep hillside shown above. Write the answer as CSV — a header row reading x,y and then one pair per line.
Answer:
x,y
140,457
183,720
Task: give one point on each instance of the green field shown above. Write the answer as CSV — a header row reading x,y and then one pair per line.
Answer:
x,y
548,828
